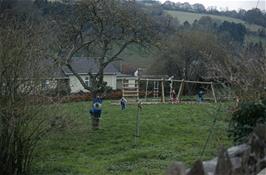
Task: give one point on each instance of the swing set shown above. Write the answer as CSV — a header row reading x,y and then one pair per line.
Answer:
x,y
152,90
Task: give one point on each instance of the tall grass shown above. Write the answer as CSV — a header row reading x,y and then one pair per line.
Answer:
x,y
168,133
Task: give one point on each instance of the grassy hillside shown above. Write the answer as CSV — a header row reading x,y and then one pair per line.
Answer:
x,y
141,58
256,39
190,17
168,133
138,56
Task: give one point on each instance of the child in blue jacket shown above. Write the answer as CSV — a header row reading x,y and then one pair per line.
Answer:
x,y
96,112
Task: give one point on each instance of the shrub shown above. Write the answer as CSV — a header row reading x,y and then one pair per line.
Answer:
x,y
20,132
245,119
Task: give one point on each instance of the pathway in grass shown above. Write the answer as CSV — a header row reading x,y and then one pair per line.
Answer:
x,y
168,132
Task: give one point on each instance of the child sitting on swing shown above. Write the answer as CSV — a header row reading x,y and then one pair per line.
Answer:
x,y
174,99
200,95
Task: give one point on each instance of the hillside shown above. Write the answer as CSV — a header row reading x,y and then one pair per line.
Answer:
x,y
140,58
190,17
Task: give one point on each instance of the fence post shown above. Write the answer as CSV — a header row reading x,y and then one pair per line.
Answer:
x,y
163,97
180,90
213,93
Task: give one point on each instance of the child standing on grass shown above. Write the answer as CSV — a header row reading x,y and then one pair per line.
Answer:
x,y
123,103
96,112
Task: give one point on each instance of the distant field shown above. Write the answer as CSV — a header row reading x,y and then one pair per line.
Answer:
x,y
252,38
140,57
144,58
168,133
190,17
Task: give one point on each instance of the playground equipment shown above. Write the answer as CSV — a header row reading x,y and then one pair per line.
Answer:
x,y
158,94
181,89
130,89
134,90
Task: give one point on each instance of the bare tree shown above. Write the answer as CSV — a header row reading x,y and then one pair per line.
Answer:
x,y
186,55
21,50
102,29
245,73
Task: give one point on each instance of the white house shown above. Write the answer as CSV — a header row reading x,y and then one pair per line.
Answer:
x,y
57,79
83,66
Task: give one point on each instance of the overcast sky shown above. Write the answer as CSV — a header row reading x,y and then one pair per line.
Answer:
x,y
230,4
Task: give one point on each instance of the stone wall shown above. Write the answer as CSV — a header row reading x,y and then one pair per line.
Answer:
x,y
245,159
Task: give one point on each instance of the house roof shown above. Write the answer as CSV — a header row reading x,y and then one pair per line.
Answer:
x,y
85,65
56,72
155,76
121,76
49,69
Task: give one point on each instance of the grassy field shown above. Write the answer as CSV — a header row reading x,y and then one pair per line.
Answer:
x,y
190,17
140,57
168,133
255,39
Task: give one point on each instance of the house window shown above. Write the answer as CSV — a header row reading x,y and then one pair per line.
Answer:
x,y
45,84
87,81
125,83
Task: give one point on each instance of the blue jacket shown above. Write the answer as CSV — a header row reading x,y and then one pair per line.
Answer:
x,y
97,100
97,110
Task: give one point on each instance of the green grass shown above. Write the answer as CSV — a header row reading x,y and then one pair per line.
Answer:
x,y
138,56
255,39
168,133
190,17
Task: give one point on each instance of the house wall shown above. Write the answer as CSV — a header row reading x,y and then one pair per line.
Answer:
x,y
131,83
111,81
76,86
119,84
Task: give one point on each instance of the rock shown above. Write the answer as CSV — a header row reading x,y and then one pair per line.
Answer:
x,y
224,164
257,146
262,163
245,162
237,151
260,131
209,173
197,169
236,166
176,168
263,172
209,166
245,159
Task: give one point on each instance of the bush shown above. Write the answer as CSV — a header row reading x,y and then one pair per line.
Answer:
x,y
20,132
245,119
114,95
62,89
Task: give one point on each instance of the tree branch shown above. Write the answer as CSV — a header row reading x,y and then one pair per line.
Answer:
x,y
111,59
78,77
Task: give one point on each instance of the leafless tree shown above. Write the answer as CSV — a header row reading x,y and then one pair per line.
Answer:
x,y
21,50
245,73
102,29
